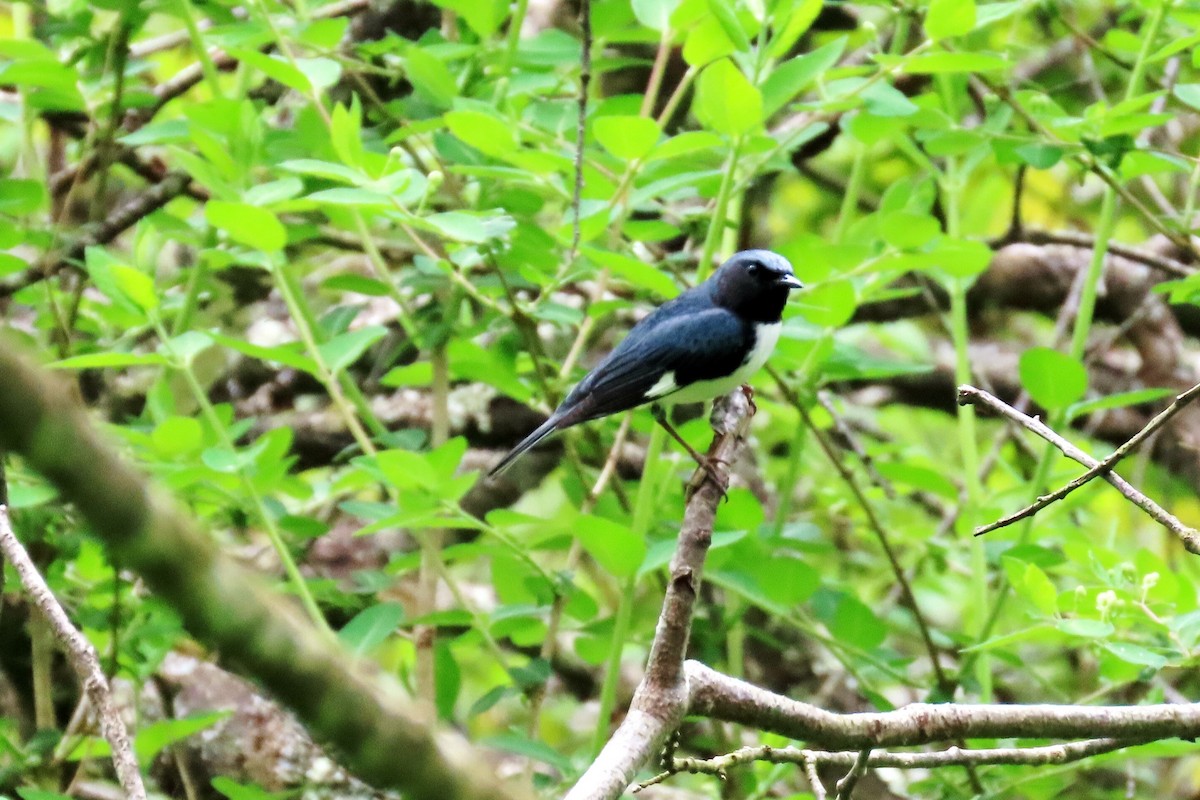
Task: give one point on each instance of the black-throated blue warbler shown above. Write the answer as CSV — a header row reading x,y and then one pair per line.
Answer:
x,y
701,345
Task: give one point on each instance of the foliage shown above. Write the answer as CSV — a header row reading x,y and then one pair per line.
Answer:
x,y
378,240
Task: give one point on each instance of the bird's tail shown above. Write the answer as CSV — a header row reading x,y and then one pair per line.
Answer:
x,y
545,429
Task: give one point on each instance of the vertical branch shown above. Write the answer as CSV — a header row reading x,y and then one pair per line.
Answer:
x,y
585,81
431,540
82,656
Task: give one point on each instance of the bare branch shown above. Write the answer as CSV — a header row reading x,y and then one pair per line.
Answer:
x,y
1190,537
113,226
722,697
950,757
83,658
845,787
1101,467
661,699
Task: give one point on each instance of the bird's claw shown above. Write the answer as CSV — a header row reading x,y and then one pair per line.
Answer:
x,y
707,469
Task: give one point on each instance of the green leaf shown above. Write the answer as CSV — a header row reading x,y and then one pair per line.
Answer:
x,y
798,16
1188,94
459,226
1040,590
329,170
345,132
19,196
344,349
153,738
706,42
175,436
724,14
1135,654
1054,380
947,18
1039,155
830,304
725,101
884,100
488,134
246,224
241,791
795,75
627,137
483,16
654,14
905,230
634,271
1087,628
961,258
430,77
273,67
137,286
371,627
289,355
10,264
615,547
109,360
320,72
1118,400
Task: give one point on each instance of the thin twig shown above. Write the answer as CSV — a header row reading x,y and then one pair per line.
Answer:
x,y
1165,264
910,598
83,658
814,780
104,232
1189,537
1101,467
845,787
950,757
585,80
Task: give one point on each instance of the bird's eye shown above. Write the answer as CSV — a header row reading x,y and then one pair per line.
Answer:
x,y
755,269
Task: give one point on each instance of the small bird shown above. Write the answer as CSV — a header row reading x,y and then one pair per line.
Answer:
x,y
701,345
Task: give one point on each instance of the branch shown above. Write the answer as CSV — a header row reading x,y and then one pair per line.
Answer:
x,y
113,226
1190,537
950,757
661,699
731,700
83,658
1101,467
1086,241
349,704
845,787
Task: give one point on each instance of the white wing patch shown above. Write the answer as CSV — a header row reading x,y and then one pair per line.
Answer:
x,y
663,386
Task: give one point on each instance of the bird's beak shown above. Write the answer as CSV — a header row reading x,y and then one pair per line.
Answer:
x,y
790,281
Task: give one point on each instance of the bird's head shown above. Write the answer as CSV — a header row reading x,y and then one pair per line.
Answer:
x,y
755,284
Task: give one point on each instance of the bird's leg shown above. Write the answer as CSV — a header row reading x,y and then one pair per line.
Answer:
x,y
748,391
707,463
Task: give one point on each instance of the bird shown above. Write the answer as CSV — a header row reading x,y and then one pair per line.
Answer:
x,y
704,343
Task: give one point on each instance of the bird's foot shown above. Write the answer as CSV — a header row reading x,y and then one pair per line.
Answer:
x,y
707,469
748,391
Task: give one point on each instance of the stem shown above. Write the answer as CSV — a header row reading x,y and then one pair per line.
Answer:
x,y
431,540
787,489
268,521
206,62
716,226
850,198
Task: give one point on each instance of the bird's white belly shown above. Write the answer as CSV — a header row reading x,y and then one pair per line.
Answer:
x,y
765,339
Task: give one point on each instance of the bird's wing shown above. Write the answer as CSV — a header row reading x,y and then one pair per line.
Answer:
x,y
698,345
